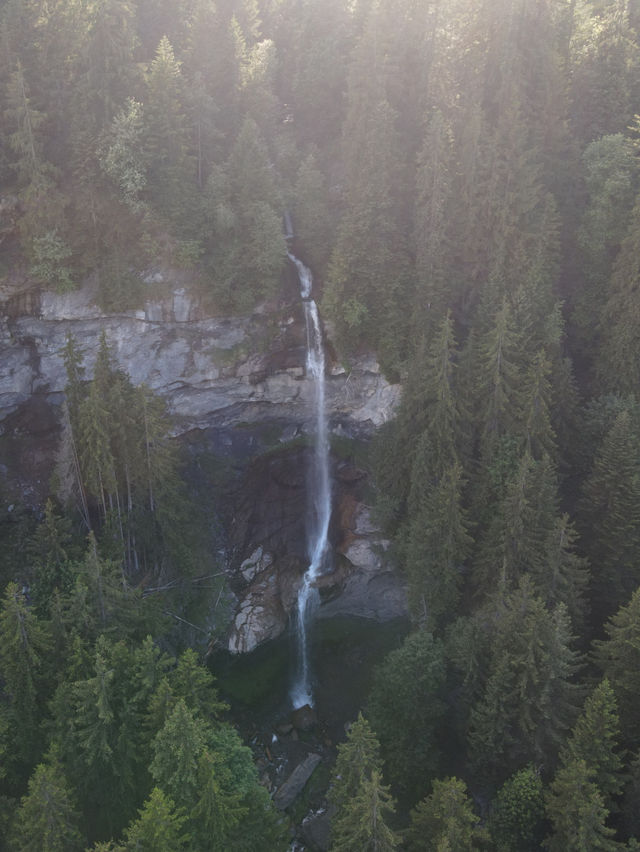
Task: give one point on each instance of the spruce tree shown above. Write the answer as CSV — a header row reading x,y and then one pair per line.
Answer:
x,y
611,517
498,386
444,820
437,545
357,758
177,750
618,657
361,825
618,365
159,826
24,645
577,812
431,237
406,712
47,819
529,698
220,809
170,170
595,740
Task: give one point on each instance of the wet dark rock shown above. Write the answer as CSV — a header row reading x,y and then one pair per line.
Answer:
x,y
295,783
304,718
316,830
269,538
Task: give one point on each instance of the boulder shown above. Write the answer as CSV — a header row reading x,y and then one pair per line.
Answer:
x,y
258,619
258,561
295,783
304,718
316,830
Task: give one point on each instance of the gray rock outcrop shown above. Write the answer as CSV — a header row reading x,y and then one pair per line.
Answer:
x,y
269,514
295,783
212,371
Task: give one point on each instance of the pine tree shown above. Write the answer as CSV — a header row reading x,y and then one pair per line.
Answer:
x,y
47,820
444,820
361,825
608,166
437,545
220,809
595,740
406,710
611,517
357,758
26,140
49,550
170,173
431,238
618,657
250,247
109,69
536,403
630,806
529,699
499,381
192,682
177,748
577,812
522,522
617,364
159,827
561,575
24,646
603,68
368,278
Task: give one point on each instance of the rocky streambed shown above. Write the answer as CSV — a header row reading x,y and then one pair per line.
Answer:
x,y
295,752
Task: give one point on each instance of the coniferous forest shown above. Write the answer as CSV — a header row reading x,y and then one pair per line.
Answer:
x,y
463,180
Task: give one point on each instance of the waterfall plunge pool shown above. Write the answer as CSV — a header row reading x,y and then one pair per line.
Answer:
x,y
344,651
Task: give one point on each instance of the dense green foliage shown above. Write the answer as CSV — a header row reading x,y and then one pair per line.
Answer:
x,y
463,180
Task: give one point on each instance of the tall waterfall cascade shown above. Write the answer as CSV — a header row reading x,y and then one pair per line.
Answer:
x,y
319,493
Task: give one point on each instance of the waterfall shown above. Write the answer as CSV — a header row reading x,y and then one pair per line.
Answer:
x,y
319,492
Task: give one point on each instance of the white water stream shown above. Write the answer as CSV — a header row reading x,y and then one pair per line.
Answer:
x,y
319,493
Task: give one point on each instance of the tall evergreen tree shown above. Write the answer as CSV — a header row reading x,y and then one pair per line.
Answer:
x,y
170,170
594,740
603,71
618,657
406,711
618,365
444,820
437,545
159,826
431,237
529,699
362,822
357,758
611,517
47,820
24,645
577,812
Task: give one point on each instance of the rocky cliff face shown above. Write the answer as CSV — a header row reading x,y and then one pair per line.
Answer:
x,y
215,373
268,551
212,371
